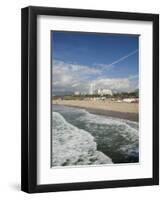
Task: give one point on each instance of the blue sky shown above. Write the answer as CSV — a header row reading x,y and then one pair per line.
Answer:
x,y
94,57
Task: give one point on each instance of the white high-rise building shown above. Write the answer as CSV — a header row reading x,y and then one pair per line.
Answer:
x,y
92,88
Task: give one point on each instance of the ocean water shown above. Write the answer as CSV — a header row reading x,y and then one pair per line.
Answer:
x,y
82,138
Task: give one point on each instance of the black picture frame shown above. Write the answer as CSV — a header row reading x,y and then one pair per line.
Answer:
x,y
29,99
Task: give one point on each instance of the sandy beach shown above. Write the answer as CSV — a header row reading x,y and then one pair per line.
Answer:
x,y
114,109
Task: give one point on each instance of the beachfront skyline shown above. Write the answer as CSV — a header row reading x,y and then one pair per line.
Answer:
x,y
110,61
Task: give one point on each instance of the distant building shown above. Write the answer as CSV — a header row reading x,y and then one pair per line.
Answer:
x,y
131,100
104,92
77,93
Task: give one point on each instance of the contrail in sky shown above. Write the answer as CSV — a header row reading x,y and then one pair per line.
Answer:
x,y
124,57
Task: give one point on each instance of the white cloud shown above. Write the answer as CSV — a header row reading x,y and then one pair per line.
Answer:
x,y
118,84
71,77
74,77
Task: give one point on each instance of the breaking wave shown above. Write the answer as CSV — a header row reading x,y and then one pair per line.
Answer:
x,y
118,128
73,146
116,138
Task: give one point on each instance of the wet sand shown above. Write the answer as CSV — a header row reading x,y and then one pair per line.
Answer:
x,y
121,110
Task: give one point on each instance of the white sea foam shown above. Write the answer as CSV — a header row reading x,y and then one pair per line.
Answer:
x,y
124,128
73,146
122,125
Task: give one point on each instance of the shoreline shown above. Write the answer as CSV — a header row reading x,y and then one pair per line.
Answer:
x,y
132,116
129,116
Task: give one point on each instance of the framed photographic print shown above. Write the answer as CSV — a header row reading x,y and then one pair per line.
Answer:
x,y
90,99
